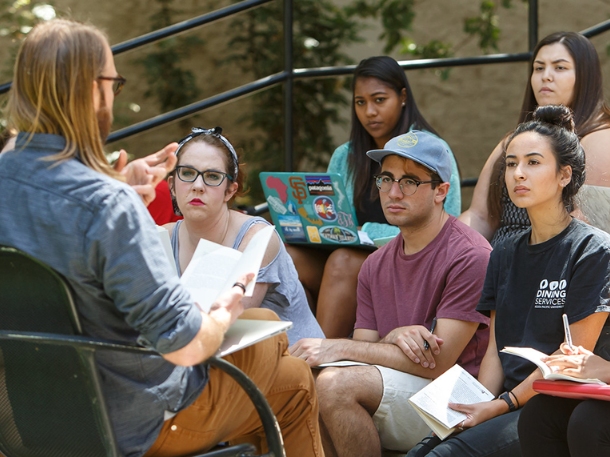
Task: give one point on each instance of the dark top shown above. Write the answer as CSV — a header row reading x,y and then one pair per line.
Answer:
x,y
531,286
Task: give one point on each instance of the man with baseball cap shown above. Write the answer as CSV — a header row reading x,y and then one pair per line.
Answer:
x,y
433,271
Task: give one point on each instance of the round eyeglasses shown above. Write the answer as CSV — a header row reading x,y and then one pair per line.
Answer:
x,y
117,83
210,178
408,186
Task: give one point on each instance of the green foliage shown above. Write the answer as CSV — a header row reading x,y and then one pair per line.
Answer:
x,y
17,18
485,26
434,49
168,82
396,18
321,29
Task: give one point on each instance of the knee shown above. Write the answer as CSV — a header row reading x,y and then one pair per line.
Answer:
x,y
590,422
343,264
259,314
332,385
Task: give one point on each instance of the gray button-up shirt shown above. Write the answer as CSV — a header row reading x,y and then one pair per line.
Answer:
x,y
96,232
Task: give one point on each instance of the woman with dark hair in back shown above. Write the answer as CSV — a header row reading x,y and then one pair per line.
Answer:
x,y
560,265
564,70
383,107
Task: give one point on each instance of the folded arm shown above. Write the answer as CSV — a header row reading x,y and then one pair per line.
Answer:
x,y
366,347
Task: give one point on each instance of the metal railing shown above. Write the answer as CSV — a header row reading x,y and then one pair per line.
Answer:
x,y
289,74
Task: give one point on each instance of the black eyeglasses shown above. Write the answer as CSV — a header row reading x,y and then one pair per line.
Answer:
x,y
118,83
210,178
216,132
408,186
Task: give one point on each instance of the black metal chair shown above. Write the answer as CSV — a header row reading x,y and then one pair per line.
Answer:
x,y
51,402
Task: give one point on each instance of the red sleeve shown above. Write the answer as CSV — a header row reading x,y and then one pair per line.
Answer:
x,y
161,208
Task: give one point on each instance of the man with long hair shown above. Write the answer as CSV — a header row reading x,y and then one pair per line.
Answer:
x,y
65,205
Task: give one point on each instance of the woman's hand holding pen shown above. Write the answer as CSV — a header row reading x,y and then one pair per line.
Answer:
x,y
580,363
411,340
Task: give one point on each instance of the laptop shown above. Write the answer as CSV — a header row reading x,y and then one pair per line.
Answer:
x,y
246,332
312,209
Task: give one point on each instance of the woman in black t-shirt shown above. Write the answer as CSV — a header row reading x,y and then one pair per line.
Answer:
x,y
558,266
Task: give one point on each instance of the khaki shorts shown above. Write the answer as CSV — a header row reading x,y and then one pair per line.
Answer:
x,y
399,426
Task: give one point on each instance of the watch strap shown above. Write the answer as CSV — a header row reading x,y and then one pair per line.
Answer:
x,y
506,397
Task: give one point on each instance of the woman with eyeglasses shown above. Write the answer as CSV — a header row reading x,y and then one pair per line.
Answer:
x,y
206,179
560,265
383,108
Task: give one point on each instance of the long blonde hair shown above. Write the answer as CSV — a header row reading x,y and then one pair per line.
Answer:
x,y
52,89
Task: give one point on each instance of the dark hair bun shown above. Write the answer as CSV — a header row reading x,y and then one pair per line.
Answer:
x,y
558,115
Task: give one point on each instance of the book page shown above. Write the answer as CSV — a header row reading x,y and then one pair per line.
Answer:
x,y
215,268
456,385
252,257
536,357
532,355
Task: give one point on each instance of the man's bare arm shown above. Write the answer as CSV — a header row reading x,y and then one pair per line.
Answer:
x,y
455,334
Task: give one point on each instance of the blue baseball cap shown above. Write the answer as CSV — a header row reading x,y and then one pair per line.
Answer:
x,y
421,147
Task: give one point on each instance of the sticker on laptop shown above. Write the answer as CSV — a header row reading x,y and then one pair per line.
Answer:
x,y
313,234
325,209
277,185
309,217
336,234
319,185
345,219
299,188
292,228
276,204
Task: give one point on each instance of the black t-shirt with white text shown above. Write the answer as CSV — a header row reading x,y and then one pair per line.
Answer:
x,y
531,286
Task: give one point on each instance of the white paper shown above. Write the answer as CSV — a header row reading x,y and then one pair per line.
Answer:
x,y
536,357
215,268
364,238
456,385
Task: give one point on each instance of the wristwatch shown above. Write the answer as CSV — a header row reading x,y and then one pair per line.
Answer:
x,y
506,397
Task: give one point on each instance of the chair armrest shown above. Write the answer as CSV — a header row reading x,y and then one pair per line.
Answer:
x,y
77,341
268,419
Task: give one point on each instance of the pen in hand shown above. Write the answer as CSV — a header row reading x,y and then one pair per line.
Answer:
x,y
432,327
566,329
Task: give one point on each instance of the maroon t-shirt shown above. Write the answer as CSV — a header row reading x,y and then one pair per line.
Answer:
x,y
443,280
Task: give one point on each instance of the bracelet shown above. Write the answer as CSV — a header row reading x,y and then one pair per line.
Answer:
x,y
506,397
516,399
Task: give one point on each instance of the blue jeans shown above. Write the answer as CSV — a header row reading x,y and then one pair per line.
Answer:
x,y
496,437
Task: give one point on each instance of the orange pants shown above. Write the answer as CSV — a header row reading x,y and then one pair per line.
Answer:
x,y
224,412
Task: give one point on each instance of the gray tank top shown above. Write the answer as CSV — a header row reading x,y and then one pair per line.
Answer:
x,y
285,294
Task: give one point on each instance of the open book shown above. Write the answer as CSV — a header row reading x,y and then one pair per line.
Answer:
x,y
215,268
536,357
246,332
455,385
